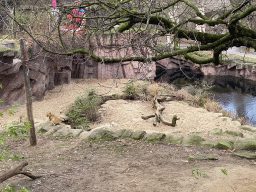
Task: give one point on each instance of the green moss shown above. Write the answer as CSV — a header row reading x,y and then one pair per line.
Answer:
x,y
198,61
245,144
248,128
192,140
224,143
137,135
216,131
125,26
102,134
246,155
234,133
154,137
173,139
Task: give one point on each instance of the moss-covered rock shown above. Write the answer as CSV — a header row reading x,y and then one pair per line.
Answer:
x,y
246,155
236,123
76,132
102,134
127,133
63,132
245,144
216,131
202,157
119,133
173,139
224,143
137,135
234,133
85,135
154,136
43,127
192,140
248,128
208,144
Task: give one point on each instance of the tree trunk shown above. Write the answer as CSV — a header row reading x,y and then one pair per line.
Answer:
x,y
32,137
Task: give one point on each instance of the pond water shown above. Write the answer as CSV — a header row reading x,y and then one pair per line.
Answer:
x,y
236,95
240,104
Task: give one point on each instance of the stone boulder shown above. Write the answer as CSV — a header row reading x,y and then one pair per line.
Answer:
x,y
102,134
246,155
224,143
137,135
245,144
45,72
192,140
234,133
154,136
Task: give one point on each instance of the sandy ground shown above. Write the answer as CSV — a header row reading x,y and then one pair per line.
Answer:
x,y
127,114
58,99
126,165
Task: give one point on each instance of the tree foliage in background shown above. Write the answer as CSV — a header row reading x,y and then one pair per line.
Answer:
x,y
229,23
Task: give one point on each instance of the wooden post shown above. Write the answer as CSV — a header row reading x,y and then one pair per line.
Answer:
x,y
32,137
13,23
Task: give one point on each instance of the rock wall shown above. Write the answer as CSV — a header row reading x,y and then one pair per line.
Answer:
x,y
236,70
45,72
171,69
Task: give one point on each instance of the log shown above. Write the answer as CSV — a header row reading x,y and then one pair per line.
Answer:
x,y
17,170
158,114
145,117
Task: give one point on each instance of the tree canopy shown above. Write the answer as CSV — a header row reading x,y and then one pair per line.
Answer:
x,y
155,27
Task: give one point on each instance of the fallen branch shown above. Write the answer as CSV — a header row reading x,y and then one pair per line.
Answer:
x,y
158,114
17,170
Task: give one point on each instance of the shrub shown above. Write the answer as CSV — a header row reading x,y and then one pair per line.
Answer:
x,y
211,105
84,110
131,91
13,188
18,129
145,92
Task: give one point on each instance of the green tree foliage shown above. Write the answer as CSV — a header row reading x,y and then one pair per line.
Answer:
x,y
229,23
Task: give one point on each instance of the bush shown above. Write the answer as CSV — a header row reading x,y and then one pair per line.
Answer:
x,y
18,129
13,188
131,91
84,110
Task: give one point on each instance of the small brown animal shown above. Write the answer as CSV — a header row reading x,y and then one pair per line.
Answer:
x,y
174,119
52,118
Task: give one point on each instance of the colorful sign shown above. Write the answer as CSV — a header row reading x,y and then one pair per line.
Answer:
x,y
75,24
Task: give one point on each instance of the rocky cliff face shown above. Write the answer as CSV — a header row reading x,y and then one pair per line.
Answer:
x,y
236,70
172,69
45,72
